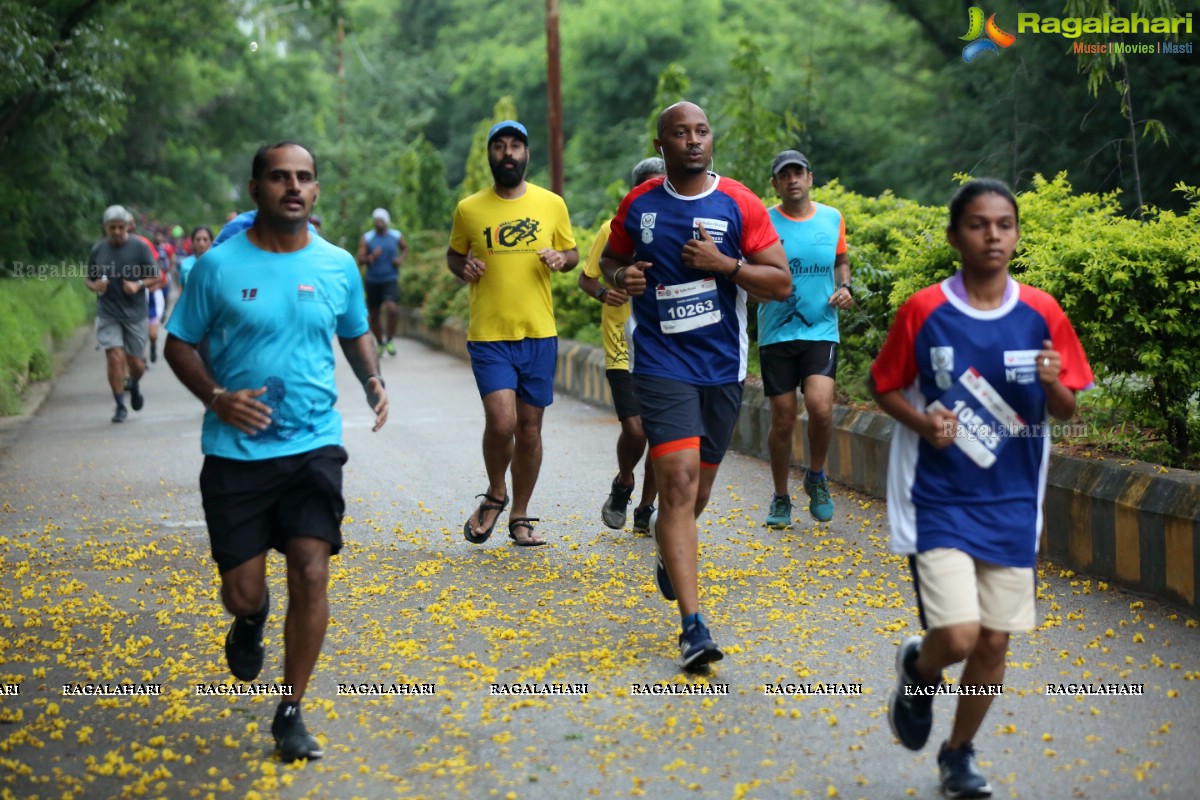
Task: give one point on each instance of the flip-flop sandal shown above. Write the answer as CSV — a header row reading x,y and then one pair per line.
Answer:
x,y
524,522
489,504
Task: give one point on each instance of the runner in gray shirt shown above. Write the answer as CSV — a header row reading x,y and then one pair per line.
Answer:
x,y
120,268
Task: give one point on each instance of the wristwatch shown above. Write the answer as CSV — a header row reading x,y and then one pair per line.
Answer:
x,y
846,285
600,293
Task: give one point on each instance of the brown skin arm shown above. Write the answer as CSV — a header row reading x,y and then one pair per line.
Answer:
x,y
622,272
1060,401
465,267
360,353
401,252
239,408
764,275
936,427
613,297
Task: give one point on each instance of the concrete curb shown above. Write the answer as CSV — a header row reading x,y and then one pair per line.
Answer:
x,y
1134,523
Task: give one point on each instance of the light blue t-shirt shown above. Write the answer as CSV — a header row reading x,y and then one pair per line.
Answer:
x,y
185,269
811,246
382,269
271,319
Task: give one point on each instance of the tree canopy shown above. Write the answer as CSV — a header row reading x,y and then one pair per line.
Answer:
x,y
160,107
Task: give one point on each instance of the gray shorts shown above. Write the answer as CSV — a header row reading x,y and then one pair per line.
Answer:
x,y
128,335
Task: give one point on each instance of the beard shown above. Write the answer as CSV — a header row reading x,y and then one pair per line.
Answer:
x,y
508,172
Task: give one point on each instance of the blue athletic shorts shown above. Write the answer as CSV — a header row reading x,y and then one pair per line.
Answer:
x,y
678,415
526,366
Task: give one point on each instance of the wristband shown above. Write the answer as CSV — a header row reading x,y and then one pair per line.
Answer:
x,y
619,277
846,285
736,269
600,293
216,392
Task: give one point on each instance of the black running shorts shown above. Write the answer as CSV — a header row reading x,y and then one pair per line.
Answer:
x,y
785,365
625,399
253,506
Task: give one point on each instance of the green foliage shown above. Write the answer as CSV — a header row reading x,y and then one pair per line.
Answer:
x,y
34,314
754,132
673,86
1133,291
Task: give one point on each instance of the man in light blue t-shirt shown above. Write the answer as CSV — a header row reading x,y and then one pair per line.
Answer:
x,y
382,250
270,300
798,337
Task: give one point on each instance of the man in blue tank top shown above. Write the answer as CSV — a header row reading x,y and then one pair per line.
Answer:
x,y
382,250
798,337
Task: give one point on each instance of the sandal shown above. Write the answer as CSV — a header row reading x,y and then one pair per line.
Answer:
x,y
524,522
489,504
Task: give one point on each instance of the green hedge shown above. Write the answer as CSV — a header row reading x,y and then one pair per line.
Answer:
x,y
1131,288
35,315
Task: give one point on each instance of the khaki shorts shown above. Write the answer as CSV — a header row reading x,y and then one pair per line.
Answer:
x,y
130,336
955,589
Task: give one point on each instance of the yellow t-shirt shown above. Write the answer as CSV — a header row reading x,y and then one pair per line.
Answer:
x,y
512,300
612,318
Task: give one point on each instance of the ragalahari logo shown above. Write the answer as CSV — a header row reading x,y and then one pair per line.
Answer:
x,y
983,38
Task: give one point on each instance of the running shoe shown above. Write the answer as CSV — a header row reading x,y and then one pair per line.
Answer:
x,y
910,713
390,347
661,578
244,649
136,398
613,510
697,648
120,414
820,505
641,519
780,515
959,773
292,739
153,354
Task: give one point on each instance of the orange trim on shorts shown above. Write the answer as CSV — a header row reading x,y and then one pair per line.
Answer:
x,y
690,443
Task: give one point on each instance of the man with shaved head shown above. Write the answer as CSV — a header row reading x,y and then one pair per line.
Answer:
x,y
707,243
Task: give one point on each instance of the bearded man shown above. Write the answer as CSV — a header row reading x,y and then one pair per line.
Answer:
x,y
505,242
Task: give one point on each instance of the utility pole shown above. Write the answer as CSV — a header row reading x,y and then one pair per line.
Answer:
x,y
341,82
554,90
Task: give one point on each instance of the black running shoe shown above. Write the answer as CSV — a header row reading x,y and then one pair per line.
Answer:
x,y
910,706
959,774
136,398
641,519
613,510
153,354
244,643
292,739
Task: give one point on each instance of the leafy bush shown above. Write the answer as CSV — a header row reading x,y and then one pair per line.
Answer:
x,y
31,313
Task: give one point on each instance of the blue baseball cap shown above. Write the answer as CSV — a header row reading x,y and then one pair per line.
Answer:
x,y
510,127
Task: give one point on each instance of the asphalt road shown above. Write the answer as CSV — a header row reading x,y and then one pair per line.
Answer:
x,y
105,578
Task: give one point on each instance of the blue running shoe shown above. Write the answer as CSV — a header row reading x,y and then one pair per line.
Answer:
x,y
661,578
697,648
820,505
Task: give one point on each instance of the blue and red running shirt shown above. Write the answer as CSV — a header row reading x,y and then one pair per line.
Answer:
x,y
689,325
983,494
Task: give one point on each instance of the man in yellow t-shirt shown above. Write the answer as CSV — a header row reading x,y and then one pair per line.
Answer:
x,y
505,241
631,444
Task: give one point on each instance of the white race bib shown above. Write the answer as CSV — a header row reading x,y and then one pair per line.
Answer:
x,y
688,306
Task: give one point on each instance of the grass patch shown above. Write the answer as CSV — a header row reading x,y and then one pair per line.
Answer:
x,y
35,316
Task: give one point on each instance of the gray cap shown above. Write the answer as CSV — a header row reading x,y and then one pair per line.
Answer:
x,y
116,214
789,157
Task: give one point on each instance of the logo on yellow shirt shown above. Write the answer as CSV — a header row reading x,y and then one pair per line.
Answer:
x,y
512,234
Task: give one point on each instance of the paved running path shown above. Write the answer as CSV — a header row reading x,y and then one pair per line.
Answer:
x,y
105,578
